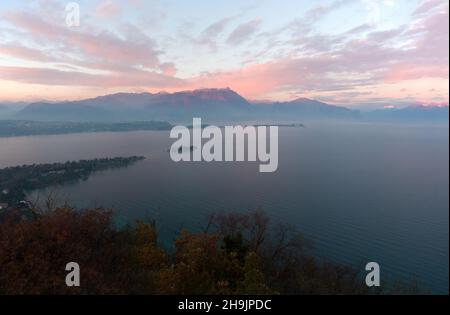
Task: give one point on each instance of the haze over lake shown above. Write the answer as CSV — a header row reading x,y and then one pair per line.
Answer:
x,y
362,192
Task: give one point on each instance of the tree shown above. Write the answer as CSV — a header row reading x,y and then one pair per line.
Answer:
x,y
235,254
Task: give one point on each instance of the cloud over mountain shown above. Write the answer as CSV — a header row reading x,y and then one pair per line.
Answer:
x,y
302,49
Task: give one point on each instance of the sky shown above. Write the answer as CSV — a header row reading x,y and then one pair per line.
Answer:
x,y
372,53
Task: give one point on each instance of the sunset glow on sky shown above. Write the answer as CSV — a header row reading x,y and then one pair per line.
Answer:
x,y
340,51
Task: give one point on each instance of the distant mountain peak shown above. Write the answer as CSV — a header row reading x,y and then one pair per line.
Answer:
x,y
198,97
217,94
303,99
209,91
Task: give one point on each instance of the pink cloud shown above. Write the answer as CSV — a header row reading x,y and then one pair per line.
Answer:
x,y
101,46
32,24
427,5
243,32
45,76
337,64
22,52
169,69
107,9
408,71
250,81
129,59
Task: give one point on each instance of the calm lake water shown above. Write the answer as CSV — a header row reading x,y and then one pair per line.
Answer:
x,y
362,192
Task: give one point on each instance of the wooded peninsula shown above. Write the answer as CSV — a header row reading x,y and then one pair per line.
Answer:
x,y
16,181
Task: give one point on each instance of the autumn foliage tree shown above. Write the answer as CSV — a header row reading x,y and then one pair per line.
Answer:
x,y
34,253
233,254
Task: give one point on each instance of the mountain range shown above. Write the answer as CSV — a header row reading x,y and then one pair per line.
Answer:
x,y
213,105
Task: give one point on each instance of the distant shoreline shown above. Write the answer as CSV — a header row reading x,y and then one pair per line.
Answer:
x,y
23,128
19,128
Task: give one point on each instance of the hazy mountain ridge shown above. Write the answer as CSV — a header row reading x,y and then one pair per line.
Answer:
x,y
214,105
209,103
411,113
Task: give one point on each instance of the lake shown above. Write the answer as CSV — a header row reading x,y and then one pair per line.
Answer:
x,y
361,192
